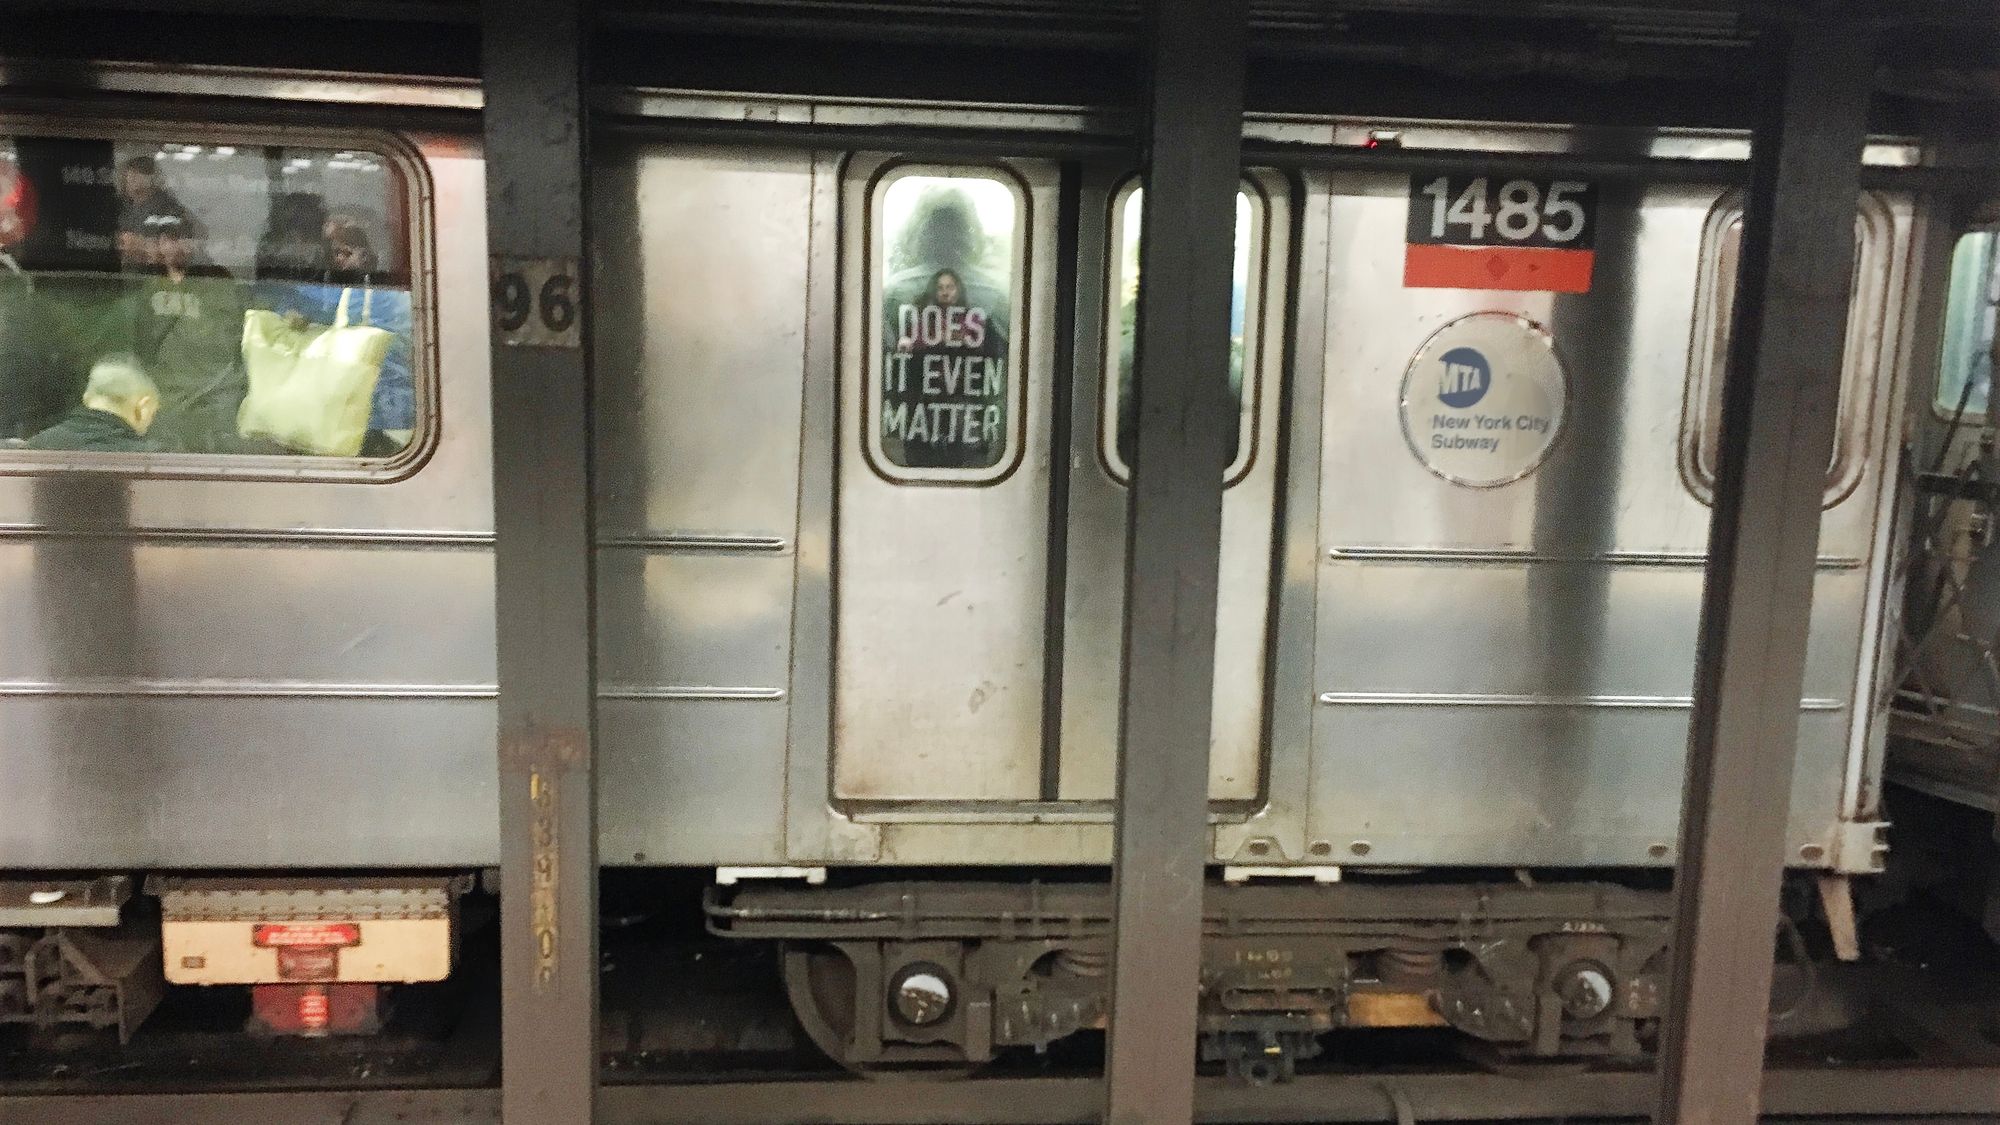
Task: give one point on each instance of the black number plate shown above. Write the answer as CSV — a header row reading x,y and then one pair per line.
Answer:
x,y
537,302
1474,210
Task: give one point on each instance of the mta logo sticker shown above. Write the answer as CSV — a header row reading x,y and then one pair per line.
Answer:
x,y
1465,378
1483,399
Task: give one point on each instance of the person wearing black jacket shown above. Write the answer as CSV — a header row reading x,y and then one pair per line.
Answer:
x,y
119,404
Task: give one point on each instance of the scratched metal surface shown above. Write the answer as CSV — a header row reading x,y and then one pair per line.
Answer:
x,y
264,673
256,673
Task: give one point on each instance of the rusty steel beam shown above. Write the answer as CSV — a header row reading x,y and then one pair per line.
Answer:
x,y
536,190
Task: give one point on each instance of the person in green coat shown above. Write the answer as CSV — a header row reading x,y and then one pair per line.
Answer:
x,y
186,326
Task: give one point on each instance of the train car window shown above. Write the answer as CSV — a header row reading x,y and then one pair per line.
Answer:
x,y
1965,370
1715,306
945,385
186,306
1120,425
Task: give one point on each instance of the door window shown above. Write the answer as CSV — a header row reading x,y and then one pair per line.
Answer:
x,y
943,385
1120,428
1715,308
1965,370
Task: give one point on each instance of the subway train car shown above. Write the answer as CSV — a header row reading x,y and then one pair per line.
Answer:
x,y
862,440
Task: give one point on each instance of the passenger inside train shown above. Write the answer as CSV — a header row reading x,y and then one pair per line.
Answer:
x,y
119,404
392,415
185,323
140,195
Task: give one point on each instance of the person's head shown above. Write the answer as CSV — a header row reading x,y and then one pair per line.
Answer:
x,y
119,385
171,237
349,244
947,289
138,178
945,228
294,241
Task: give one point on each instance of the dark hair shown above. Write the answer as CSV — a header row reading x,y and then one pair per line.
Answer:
x,y
345,230
944,228
293,245
143,164
940,276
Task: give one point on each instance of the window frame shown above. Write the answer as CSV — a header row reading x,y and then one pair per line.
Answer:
x,y
875,369
1250,405
1862,361
418,198
1939,409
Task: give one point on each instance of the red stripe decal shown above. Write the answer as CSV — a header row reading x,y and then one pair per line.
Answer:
x,y
1537,268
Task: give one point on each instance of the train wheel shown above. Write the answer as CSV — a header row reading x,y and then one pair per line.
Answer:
x,y
820,983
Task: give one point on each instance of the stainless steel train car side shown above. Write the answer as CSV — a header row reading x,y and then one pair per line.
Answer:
x,y
298,673
812,657
212,666
1459,675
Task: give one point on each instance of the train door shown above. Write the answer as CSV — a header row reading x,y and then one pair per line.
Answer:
x,y
980,525
1100,442
943,512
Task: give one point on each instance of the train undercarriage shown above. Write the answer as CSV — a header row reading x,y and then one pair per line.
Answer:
x,y
894,975
920,974
883,977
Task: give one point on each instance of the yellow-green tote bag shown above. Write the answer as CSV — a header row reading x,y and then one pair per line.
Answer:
x,y
311,388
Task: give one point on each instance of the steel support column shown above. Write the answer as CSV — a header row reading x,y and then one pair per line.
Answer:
x,y
1779,410
1191,167
536,214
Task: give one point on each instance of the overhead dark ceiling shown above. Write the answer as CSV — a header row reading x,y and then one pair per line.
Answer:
x,y
1680,22
1679,61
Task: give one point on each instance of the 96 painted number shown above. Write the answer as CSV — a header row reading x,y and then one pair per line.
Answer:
x,y
536,302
